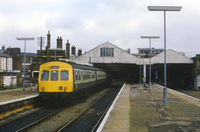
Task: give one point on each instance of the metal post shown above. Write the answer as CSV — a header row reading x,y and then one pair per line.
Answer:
x,y
41,43
140,69
150,65
24,65
165,71
54,54
24,68
31,87
165,8
143,70
150,37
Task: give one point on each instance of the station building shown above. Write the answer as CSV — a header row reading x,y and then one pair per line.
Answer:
x,y
123,65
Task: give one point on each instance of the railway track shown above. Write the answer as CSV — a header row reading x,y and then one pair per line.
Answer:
x,y
31,125
91,117
53,119
23,119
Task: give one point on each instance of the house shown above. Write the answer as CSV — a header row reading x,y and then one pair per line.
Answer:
x,y
8,76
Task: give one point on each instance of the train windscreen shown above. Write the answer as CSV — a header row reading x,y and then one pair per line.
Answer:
x,y
54,75
45,76
64,75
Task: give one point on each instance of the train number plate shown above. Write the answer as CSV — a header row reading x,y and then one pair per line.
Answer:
x,y
54,67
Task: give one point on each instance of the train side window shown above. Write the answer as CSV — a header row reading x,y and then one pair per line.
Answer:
x,y
45,76
79,75
93,75
54,75
84,75
98,75
64,75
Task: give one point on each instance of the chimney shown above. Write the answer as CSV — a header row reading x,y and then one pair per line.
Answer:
x,y
79,52
48,46
3,48
59,42
68,50
48,40
73,50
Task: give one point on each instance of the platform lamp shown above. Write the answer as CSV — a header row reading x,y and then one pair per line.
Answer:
x,y
25,39
164,9
150,37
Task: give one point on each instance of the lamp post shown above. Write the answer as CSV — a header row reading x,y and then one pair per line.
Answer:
x,y
164,8
25,39
150,37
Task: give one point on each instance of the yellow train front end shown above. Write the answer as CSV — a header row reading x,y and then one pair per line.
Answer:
x,y
55,78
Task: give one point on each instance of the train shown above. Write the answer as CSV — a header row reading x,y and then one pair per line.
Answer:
x,y
61,79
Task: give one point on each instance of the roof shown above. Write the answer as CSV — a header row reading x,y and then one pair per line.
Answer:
x,y
122,56
172,57
119,55
29,54
147,49
5,55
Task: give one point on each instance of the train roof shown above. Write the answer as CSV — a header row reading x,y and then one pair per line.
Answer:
x,y
81,66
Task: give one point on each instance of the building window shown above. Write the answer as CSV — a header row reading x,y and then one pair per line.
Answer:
x,y
107,52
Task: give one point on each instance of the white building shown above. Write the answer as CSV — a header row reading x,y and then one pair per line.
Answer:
x,y
107,53
7,74
5,62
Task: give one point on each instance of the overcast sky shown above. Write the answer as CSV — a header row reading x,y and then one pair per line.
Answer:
x,y
89,23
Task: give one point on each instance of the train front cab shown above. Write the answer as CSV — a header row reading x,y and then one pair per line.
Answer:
x,y
55,79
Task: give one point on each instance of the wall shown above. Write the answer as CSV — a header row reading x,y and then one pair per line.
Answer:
x,y
9,80
120,56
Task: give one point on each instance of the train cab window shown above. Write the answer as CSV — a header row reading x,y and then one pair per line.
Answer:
x,y
54,75
45,76
64,75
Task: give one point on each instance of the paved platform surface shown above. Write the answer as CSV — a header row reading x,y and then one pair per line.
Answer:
x,y
118,120
14,94
137,110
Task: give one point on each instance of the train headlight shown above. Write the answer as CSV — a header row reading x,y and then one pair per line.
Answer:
x,y
65,88
60,88
43,88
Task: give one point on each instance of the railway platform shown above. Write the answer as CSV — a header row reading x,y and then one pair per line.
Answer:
x,y
138,110
12,95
